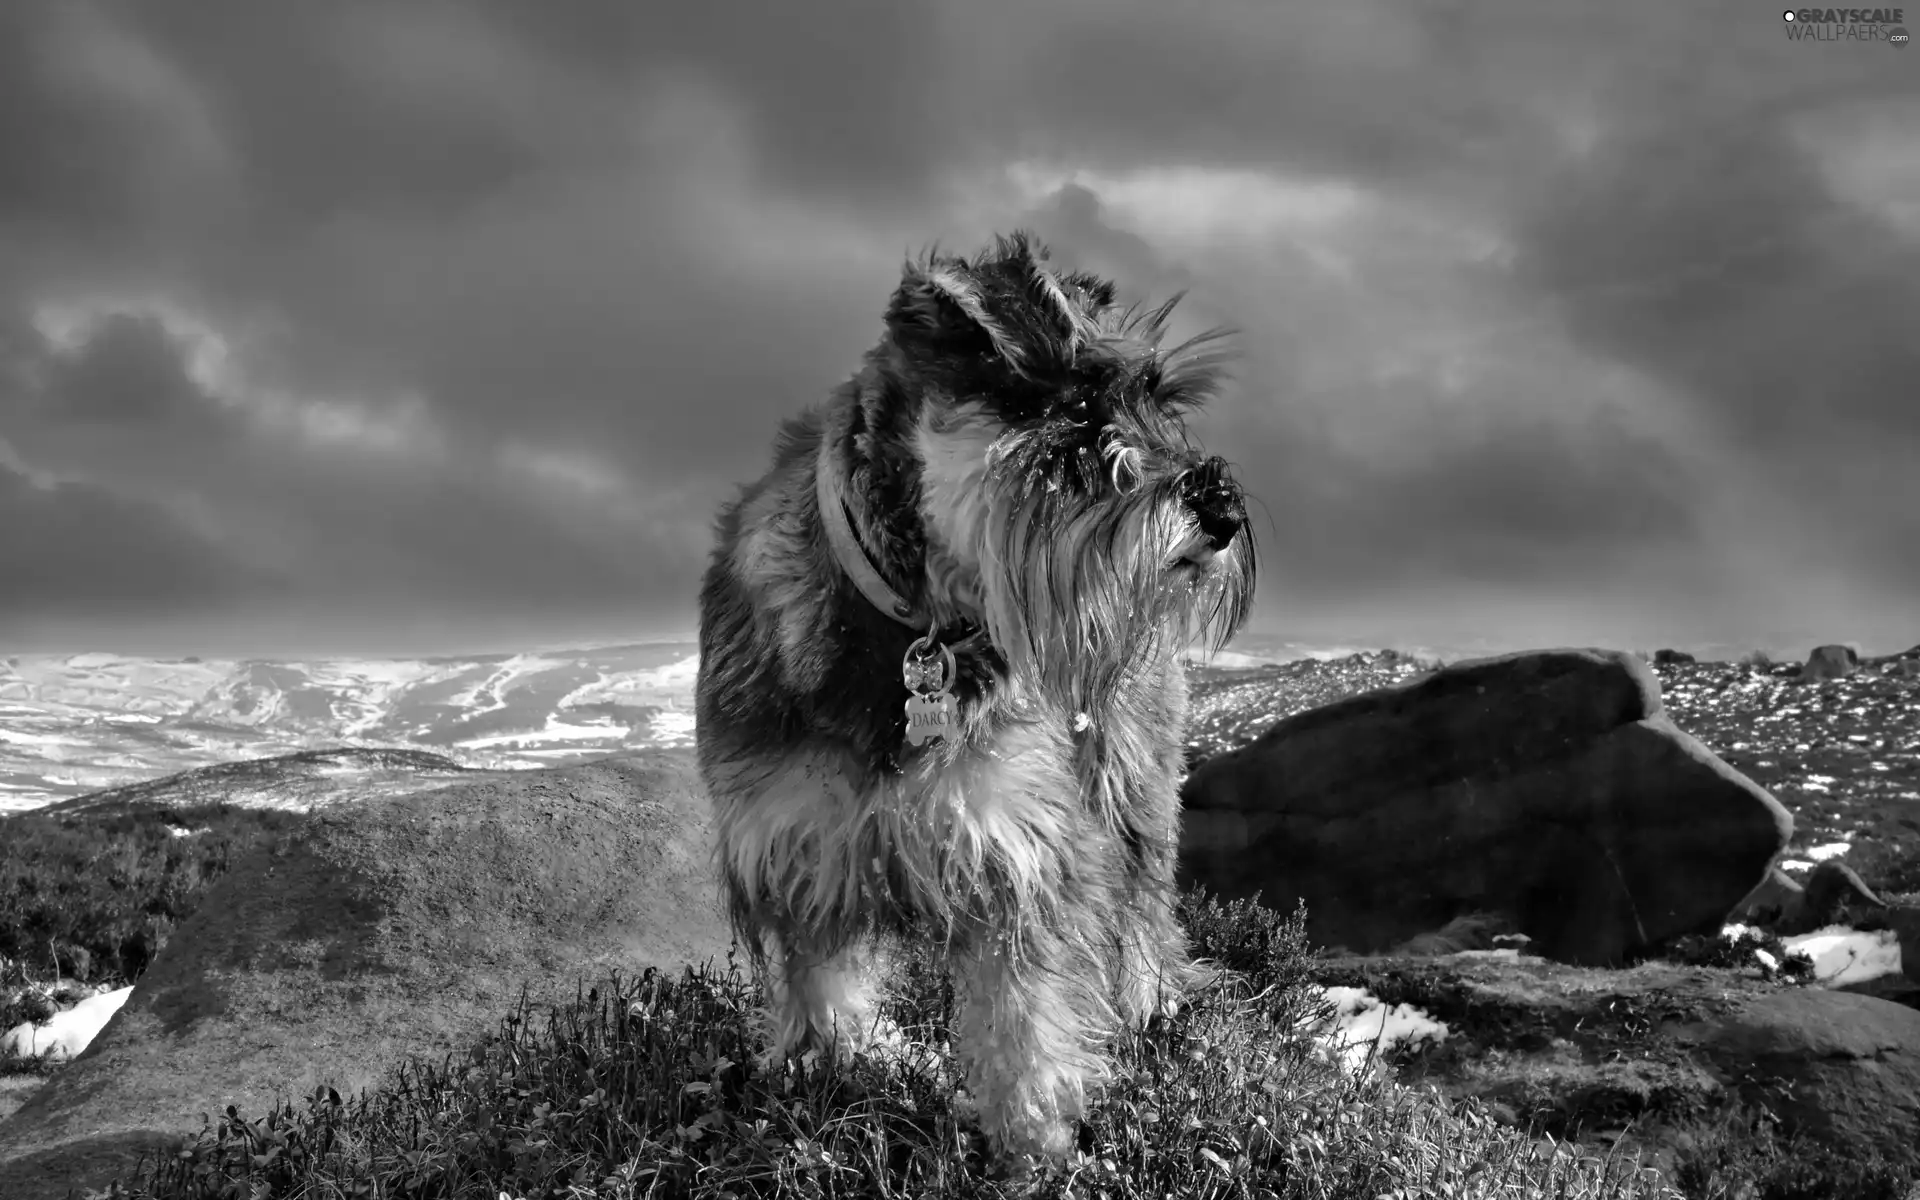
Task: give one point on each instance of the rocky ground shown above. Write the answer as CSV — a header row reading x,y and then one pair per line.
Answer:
x,y
1842,755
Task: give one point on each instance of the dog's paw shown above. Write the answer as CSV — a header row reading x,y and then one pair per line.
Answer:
x,y
771,1061
1019,1174
881,1037
766,1062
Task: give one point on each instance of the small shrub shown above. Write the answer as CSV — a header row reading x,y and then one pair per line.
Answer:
x,y
29,1005
1267,947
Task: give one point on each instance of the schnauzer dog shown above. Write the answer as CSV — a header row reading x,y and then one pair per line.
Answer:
x,y
941,687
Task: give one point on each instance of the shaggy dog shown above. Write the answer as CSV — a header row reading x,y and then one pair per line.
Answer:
x,y
941,689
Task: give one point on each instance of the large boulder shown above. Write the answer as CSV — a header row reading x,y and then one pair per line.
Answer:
x,y
1829,662
1548,787
400,926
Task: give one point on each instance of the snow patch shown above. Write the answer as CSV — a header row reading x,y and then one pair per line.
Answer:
x,y
1360,1020
68,1033
1841,956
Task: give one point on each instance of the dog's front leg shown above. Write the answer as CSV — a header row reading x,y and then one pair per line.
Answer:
x,y
1153,968
827,999
1031,1034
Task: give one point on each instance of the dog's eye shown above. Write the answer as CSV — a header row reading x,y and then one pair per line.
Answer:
x,y
1084,401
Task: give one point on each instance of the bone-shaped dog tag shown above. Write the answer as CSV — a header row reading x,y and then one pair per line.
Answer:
x,y
930,718
932,712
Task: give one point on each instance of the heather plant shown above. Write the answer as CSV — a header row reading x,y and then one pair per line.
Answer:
x,y
656,1087
1896,875
93,898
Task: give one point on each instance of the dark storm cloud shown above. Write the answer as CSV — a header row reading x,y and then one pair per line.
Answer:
x,y
1495,507
336,111
130,370
354,523
1727,263
65,154
1703,242
511,295
856,94
76,548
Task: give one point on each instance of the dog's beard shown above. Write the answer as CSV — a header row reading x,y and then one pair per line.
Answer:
x,y
1083,593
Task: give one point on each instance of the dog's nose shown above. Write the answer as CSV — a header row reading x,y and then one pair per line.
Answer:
x,y
1215,502
1217,528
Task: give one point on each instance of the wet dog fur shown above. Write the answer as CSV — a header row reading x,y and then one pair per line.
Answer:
x,y
1014,463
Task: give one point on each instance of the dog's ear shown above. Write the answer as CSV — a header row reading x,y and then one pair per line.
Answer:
x,y
941,312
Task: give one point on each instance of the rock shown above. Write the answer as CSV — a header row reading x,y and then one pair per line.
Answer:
x,y
1904,920
1829,662
1840,1067
1904,668
406,925
1646,1058
1470,931
1778,895
1833,895
1896,988
1671,657
1545,786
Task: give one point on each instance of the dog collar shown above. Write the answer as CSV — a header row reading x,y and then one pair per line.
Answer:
x,y
846,547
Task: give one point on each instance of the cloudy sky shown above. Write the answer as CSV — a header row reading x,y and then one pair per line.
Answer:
x,y
406,326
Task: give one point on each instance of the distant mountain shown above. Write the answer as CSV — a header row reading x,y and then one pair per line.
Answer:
x,y
72,725
75,725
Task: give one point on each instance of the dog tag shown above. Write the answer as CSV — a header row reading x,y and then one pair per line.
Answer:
x,y
932,712
930,718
